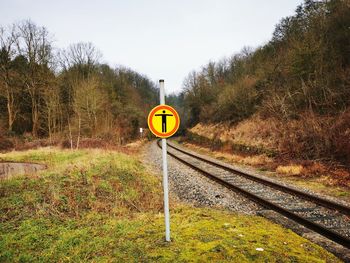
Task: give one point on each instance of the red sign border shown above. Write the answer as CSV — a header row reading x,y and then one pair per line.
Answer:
x,y
177,121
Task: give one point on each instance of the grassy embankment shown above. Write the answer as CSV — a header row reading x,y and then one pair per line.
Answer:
x,y
252,143
93,205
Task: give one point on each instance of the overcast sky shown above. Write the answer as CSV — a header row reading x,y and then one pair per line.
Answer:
x,y
162,39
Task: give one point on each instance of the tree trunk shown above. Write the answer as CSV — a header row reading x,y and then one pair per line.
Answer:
x,y
49,121
10,108
10,116
35,120
79,127
70,134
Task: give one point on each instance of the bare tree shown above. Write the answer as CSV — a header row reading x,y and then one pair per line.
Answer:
x,y
81,56
8,88
90,106
35,45
79,62
52,109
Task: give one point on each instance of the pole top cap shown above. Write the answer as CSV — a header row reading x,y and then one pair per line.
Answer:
x,y
161,80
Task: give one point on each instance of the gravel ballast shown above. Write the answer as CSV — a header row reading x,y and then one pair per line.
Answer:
x,y
192,187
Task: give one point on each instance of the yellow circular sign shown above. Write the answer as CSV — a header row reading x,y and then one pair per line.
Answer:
x,y
163,121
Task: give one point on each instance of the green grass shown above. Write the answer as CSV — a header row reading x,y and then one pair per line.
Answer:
x,y
93,205
317,185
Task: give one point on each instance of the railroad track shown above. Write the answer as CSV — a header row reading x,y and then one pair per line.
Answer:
x,y
328,218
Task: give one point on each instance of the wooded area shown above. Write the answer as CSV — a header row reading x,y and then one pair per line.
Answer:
x,y
300,80
68,94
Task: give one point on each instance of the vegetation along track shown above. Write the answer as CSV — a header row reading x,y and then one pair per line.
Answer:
x,y
323,216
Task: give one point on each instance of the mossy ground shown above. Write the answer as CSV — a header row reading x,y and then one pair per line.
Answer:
x,y
94,205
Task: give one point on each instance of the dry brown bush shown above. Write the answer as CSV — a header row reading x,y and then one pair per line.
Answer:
x,y
309,137
5,144
306,137
341,137
89,143
23,145
316,137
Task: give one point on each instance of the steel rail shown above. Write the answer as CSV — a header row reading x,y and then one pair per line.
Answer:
x,y
315,199
332,235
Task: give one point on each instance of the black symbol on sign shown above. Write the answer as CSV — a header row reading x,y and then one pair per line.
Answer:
x,y
164,115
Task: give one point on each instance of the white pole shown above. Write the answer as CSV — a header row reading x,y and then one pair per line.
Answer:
x,y
165,171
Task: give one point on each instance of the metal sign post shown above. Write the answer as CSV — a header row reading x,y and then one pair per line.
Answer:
x,y
163,121
165,171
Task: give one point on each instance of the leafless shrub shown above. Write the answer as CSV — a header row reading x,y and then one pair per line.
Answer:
x,y
318,137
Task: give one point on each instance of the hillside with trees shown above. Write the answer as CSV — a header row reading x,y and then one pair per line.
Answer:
x,y
66,94
293,90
